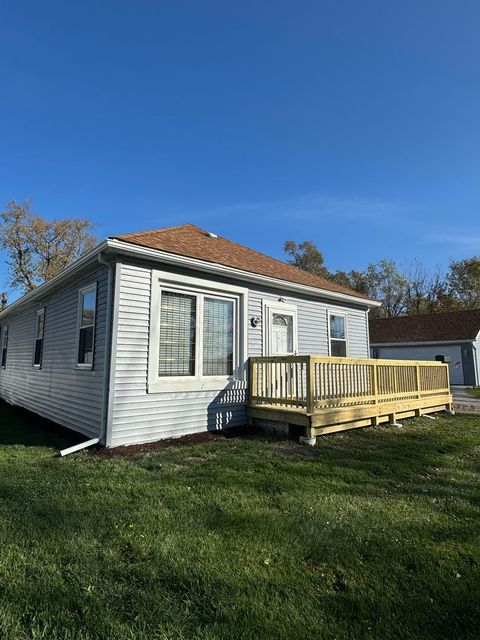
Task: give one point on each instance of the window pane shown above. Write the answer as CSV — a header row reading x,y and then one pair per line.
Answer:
x,y
178,318
88,308
282,334
337,327
339,348
217,337
85,347
37,359
40,324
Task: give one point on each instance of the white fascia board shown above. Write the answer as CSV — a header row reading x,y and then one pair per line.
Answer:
x,y
133,250
419,344
55,282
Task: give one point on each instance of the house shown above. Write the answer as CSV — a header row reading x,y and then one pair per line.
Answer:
x,y
148,335
452,337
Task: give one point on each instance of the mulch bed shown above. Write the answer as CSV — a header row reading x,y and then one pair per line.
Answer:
x,y
158,445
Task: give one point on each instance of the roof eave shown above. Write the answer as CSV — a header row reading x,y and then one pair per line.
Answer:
x,y
422,343
126,248
56,281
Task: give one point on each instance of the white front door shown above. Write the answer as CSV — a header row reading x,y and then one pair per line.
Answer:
x,y
281,329
282,334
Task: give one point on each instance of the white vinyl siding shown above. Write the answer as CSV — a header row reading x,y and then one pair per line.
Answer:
x,y
140,416
59,391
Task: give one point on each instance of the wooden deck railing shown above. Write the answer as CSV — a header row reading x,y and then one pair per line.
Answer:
x,y
310,383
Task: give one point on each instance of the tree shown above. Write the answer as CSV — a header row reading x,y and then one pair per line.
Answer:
x,y
386,284
38,248
3,300
463,280
425,292
306,256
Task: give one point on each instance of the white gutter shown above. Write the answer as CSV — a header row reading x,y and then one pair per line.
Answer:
x,y
126,248
133,250
419,344
56,281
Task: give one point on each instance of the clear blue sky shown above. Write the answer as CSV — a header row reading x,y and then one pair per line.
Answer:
x,y
352,124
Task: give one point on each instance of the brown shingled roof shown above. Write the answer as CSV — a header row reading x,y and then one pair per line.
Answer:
x,y
189,240
436,327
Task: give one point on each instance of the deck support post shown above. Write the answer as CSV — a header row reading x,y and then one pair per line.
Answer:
x,y
393,420
310,441
450,409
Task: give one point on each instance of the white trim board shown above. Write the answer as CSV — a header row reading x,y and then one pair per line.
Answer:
x,y
419,344
125,248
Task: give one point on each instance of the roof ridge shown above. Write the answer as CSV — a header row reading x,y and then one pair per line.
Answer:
x,y
148,232
427,315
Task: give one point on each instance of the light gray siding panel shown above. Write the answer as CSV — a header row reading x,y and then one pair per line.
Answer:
x,y
425,352
58,391
139,416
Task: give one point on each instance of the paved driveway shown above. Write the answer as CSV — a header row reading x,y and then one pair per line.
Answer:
x,y
464,403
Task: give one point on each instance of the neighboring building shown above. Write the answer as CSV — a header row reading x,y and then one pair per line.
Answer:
x,y
448,337
148,335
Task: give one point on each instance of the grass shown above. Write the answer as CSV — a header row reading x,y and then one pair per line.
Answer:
x,y
473,391
373,534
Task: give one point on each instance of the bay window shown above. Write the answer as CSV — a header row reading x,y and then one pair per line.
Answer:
x,y
196,333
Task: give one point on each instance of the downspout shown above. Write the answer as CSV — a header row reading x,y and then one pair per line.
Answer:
x,y
106,364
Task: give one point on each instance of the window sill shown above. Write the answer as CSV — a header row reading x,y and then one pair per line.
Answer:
x,y
192,384
84,367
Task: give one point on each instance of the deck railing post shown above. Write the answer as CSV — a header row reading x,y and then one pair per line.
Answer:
x,y
252,380
310,384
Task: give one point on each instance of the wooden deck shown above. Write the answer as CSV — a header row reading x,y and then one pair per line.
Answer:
x,y
325,394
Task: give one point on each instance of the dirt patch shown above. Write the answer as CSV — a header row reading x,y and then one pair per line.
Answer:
x,y
194,438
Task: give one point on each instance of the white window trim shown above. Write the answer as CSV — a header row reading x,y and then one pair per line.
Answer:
x,y
334,312
35,338
81,292
269,308
165,281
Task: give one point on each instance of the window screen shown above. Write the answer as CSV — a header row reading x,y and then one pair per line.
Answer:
x,y
88,300
178,313
217,337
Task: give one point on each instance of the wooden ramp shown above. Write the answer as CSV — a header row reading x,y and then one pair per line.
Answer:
x,y
325,394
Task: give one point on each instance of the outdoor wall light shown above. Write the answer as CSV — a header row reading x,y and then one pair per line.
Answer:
x,y
255,321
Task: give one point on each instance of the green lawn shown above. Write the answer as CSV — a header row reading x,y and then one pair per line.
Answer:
x,y
373,534
473,391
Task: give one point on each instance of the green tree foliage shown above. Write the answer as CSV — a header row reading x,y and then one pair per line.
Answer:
x,y
463,283
411,291
306,256
38,248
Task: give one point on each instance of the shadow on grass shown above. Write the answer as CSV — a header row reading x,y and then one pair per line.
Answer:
x,y
21,427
